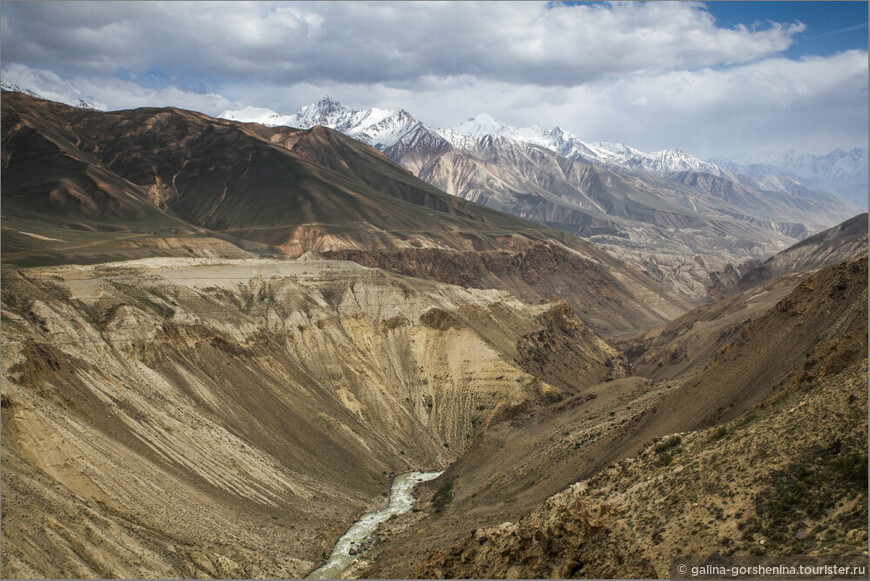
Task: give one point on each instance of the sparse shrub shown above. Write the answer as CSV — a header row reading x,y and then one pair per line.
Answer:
x,y
664,459
747,419
851,467
439,319
442,497
807,489
667,444
718,433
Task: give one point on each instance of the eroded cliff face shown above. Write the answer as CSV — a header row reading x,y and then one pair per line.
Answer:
x,y
614,298
196,417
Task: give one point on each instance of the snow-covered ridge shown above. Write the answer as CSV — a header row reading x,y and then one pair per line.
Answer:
x,y
568,145
387,128
380,128
78,103
397,132
836,166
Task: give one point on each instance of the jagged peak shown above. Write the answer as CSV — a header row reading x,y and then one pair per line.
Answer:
x,y
327,102
16,89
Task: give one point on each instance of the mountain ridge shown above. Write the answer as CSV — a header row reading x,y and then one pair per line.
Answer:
x,y
280,192
350,121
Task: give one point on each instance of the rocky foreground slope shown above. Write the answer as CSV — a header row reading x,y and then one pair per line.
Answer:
x,y
186,417
744,488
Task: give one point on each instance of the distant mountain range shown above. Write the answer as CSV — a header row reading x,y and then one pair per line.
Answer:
x,y
386,129
841,172
679,217
78,103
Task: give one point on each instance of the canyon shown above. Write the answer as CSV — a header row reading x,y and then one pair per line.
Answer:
x,y
223,341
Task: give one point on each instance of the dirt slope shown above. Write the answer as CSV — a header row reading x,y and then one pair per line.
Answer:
x,y
220,418
687,343
691,340
823,249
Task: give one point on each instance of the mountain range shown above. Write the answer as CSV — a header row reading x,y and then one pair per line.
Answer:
x,y
840,171
677,217
84,186
385,128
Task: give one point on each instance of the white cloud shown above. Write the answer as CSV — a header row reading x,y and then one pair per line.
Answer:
x,y
547,44
653,75
110,93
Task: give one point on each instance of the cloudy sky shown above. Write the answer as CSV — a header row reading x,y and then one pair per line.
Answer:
x,y
740,79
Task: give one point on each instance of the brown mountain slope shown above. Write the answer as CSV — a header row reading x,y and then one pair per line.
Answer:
x,y
221,176
823,249
219,418
818,329
185,177
688,342
770,494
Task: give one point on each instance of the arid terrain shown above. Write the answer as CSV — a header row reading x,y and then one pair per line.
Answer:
x,y
222,341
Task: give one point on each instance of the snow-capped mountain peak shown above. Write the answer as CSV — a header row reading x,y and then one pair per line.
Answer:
x,y
380,128
73,100
480,125
261,115
396,128
398,134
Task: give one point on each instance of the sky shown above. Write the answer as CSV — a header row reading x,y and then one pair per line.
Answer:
x,y
745,80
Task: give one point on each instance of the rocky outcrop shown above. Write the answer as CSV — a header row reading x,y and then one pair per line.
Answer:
x,y
722,282
544,353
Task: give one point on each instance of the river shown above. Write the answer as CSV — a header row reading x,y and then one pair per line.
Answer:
x,y
401,501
